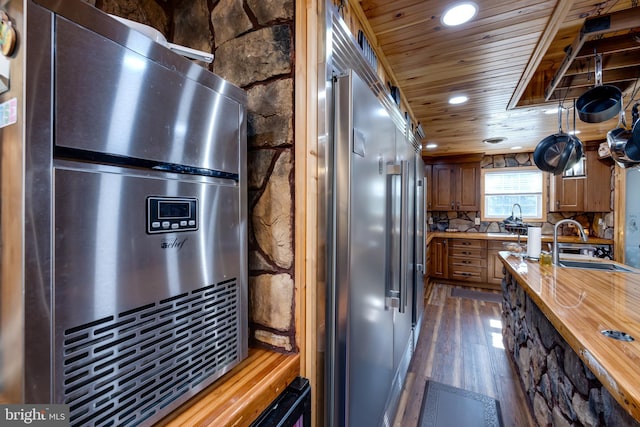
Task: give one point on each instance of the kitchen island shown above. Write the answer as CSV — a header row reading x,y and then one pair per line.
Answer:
x,y
552,318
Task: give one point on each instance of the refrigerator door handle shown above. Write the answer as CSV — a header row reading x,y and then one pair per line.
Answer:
x,y
423,224
420,225
404,234
397,298
393,294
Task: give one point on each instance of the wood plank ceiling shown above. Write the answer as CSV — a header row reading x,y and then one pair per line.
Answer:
x,y
503,60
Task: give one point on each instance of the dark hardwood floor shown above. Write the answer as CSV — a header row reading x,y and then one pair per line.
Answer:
x,y
461,345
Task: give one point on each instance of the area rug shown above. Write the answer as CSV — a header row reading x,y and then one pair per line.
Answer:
x,y
447,406
477,295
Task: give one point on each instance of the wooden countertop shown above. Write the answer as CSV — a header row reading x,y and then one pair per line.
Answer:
x,y
505,237
239,396
580,303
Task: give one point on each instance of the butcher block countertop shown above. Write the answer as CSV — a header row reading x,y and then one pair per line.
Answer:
x,y
240,396
506,237
580,303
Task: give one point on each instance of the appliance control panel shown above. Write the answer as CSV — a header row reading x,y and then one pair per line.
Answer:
x,y
171,214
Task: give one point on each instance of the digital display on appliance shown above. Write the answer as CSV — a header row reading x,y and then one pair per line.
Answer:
x,y
171,214
172,210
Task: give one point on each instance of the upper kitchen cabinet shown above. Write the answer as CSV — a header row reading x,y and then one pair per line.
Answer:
x,y
455,186
566,194
588,193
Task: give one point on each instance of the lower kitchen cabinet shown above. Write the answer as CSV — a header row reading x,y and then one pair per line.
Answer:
x,y
494,265
471,262
467,260
438,255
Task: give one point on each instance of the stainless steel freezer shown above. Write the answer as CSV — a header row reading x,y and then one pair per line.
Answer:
x,y
371,301
419,256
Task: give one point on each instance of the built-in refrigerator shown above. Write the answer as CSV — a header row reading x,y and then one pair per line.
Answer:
x,y
419,256
376,240
632,218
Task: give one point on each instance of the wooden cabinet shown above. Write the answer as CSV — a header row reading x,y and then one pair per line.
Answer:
x,y
443,188
471,262
566,194
467,260
455,187
597,192
591,193
468,186
494,265
438,259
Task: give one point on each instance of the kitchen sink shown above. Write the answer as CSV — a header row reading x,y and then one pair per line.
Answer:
x,y
603,266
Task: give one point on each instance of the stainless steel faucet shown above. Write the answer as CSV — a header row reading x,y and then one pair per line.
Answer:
x,y
583,236
513,208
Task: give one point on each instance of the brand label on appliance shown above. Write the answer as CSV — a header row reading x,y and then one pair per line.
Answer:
x,y
173,243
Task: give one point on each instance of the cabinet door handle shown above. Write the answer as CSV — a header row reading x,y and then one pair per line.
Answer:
x,y
466,243
452,205
466,253
466,262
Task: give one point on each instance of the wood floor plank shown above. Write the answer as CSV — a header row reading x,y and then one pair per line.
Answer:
x,y
461,345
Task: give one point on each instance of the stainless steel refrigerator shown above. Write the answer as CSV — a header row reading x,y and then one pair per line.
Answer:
x,y
632,219
419,256
373,246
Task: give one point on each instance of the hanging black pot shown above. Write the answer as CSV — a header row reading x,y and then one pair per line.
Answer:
x,y
558,152
600,103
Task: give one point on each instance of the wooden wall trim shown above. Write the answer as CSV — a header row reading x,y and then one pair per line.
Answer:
x,y
306,191
619,209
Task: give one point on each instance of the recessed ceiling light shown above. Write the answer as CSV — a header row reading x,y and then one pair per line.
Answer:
x,y
431,146
460,99
459,13
495,140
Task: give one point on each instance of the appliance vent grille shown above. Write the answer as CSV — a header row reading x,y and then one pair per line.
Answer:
x,y
124,369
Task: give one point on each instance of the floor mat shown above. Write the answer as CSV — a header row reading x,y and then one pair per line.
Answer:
x,y
478,295
447,406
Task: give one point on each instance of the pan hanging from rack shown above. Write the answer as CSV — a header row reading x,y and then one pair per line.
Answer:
x,y
560,151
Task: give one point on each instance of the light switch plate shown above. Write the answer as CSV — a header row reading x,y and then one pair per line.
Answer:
x,y
477,221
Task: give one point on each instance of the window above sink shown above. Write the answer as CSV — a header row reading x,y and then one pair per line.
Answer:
x,y
503,187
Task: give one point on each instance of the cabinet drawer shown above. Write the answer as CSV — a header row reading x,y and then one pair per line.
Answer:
x,y
461,243
464,252
467,262
467,276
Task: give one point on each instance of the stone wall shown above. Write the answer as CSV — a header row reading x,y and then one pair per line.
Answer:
x,y
599,224
253,44
560,388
